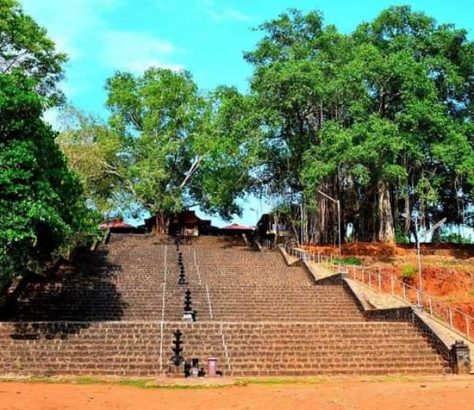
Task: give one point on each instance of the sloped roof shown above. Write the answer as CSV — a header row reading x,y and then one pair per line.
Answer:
x,y
238,227
117,223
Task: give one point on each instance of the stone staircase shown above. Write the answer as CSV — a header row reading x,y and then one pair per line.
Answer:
x,y
113,312
327,348
107,348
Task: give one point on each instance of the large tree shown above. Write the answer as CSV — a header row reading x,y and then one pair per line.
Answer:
x,y
41,203
26,48
98,156
166,146
297,84
380,118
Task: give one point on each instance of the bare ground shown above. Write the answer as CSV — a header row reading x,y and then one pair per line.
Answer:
x,y
444,392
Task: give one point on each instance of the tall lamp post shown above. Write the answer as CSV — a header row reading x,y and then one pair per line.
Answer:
x,y
338,205
418,253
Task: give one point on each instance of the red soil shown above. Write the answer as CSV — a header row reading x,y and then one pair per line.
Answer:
x,y
380,250
390,394
447,270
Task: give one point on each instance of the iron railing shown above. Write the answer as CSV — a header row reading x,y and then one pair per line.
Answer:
x,y
442,311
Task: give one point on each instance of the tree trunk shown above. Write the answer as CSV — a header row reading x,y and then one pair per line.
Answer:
x,y
386,232
407,213
161,224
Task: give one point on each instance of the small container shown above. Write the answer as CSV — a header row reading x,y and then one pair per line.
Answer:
x,y
212,367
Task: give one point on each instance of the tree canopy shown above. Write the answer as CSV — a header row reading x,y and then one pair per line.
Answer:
x,y
42,208
380,118
41,204
26,48
166,145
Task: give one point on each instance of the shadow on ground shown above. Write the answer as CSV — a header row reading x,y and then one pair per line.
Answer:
x,y
83,290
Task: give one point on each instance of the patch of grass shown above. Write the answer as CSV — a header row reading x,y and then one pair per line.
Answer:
x,y
139,383
279,380
350,260
86,380
408,271
179,384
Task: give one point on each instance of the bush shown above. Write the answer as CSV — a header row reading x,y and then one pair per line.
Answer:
x,y
454,238
400,237
350,260
41,202
408,271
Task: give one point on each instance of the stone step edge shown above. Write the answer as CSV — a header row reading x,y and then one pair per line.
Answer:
x,y
291,261
318,274
427,327
203,322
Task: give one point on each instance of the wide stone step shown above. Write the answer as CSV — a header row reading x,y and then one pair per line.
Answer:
x,y
242,348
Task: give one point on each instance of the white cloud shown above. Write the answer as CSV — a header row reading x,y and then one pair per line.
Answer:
x,y
69,22
222,13
228,14
82,29
136,51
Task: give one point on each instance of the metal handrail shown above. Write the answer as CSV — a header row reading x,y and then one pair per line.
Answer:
x,y
438,309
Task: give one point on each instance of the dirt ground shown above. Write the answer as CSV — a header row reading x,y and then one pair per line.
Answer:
x,y
448,392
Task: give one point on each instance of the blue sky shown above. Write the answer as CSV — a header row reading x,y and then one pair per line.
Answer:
x,y
206,37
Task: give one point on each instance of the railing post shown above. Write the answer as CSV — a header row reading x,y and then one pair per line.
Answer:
x,y
460,357
431,304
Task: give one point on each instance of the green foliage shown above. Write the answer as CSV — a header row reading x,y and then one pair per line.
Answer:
x,y
455,238
380,119
167,146
377,117
401,237
408,271
349,260
42,210
25,48
41,203
98,156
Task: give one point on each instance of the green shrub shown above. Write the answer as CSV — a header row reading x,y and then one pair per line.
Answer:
x,y
350,260
455,238
408,271
400,237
